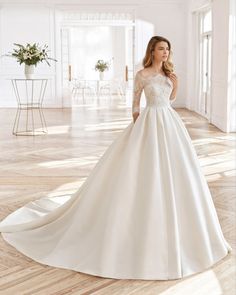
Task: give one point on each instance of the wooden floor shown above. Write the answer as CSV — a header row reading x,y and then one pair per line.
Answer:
x,y
33,167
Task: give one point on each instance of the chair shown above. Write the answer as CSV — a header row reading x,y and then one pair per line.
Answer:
x,y
83,85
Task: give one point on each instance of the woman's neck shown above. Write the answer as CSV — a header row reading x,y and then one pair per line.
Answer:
x,y
157,67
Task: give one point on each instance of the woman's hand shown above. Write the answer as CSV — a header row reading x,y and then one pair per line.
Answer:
x,y
174,80
135,116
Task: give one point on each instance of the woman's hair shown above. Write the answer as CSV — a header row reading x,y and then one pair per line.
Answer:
x,y
167,66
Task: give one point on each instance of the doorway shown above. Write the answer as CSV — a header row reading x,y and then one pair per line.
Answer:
x,y
85,41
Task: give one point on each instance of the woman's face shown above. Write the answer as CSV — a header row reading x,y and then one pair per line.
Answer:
x,y
161,51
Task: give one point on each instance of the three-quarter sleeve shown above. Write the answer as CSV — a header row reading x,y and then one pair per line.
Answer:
x,y
137,92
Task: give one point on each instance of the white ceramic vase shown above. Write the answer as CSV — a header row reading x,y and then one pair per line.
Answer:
x,y
101,75
29,71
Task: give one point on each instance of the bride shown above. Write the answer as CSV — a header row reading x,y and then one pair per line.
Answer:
x,y
145,211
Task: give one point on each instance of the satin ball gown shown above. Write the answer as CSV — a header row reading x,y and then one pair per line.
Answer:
x,y
144,212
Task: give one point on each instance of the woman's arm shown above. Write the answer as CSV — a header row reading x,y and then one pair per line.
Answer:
x,y
137,92
174,80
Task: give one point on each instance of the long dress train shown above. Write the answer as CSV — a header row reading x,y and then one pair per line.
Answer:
x,y
144,212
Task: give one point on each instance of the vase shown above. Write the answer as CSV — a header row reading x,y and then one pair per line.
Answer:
x,y
101,75
29,71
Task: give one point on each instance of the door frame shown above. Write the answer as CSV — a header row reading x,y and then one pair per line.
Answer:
x,y
207,95
62,22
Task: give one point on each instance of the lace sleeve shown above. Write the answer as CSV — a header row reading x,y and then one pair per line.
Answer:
x,y
137,92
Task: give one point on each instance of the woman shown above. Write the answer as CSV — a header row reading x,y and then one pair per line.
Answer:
x,y
145,211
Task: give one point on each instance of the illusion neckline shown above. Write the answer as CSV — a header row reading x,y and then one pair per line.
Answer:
x,y
152,76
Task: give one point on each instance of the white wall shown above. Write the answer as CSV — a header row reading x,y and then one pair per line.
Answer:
x,y
220,12
232,68
21,24
118,49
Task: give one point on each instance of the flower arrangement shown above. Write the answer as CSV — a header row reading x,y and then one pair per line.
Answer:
x,y
101,65
31,54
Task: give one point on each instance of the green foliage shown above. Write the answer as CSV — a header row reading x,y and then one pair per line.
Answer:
x,y
101,65
31,54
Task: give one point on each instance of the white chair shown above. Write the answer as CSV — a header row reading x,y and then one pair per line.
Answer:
x,y
84,86
104,89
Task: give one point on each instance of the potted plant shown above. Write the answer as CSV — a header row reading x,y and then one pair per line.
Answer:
x,y
30,55
101,66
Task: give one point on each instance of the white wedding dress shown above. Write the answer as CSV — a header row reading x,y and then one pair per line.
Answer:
x,y
144,212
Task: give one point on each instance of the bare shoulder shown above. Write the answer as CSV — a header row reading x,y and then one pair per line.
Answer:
x,y
143,73
139,74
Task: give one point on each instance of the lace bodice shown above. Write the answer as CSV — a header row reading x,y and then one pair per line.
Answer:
x,y
157,89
